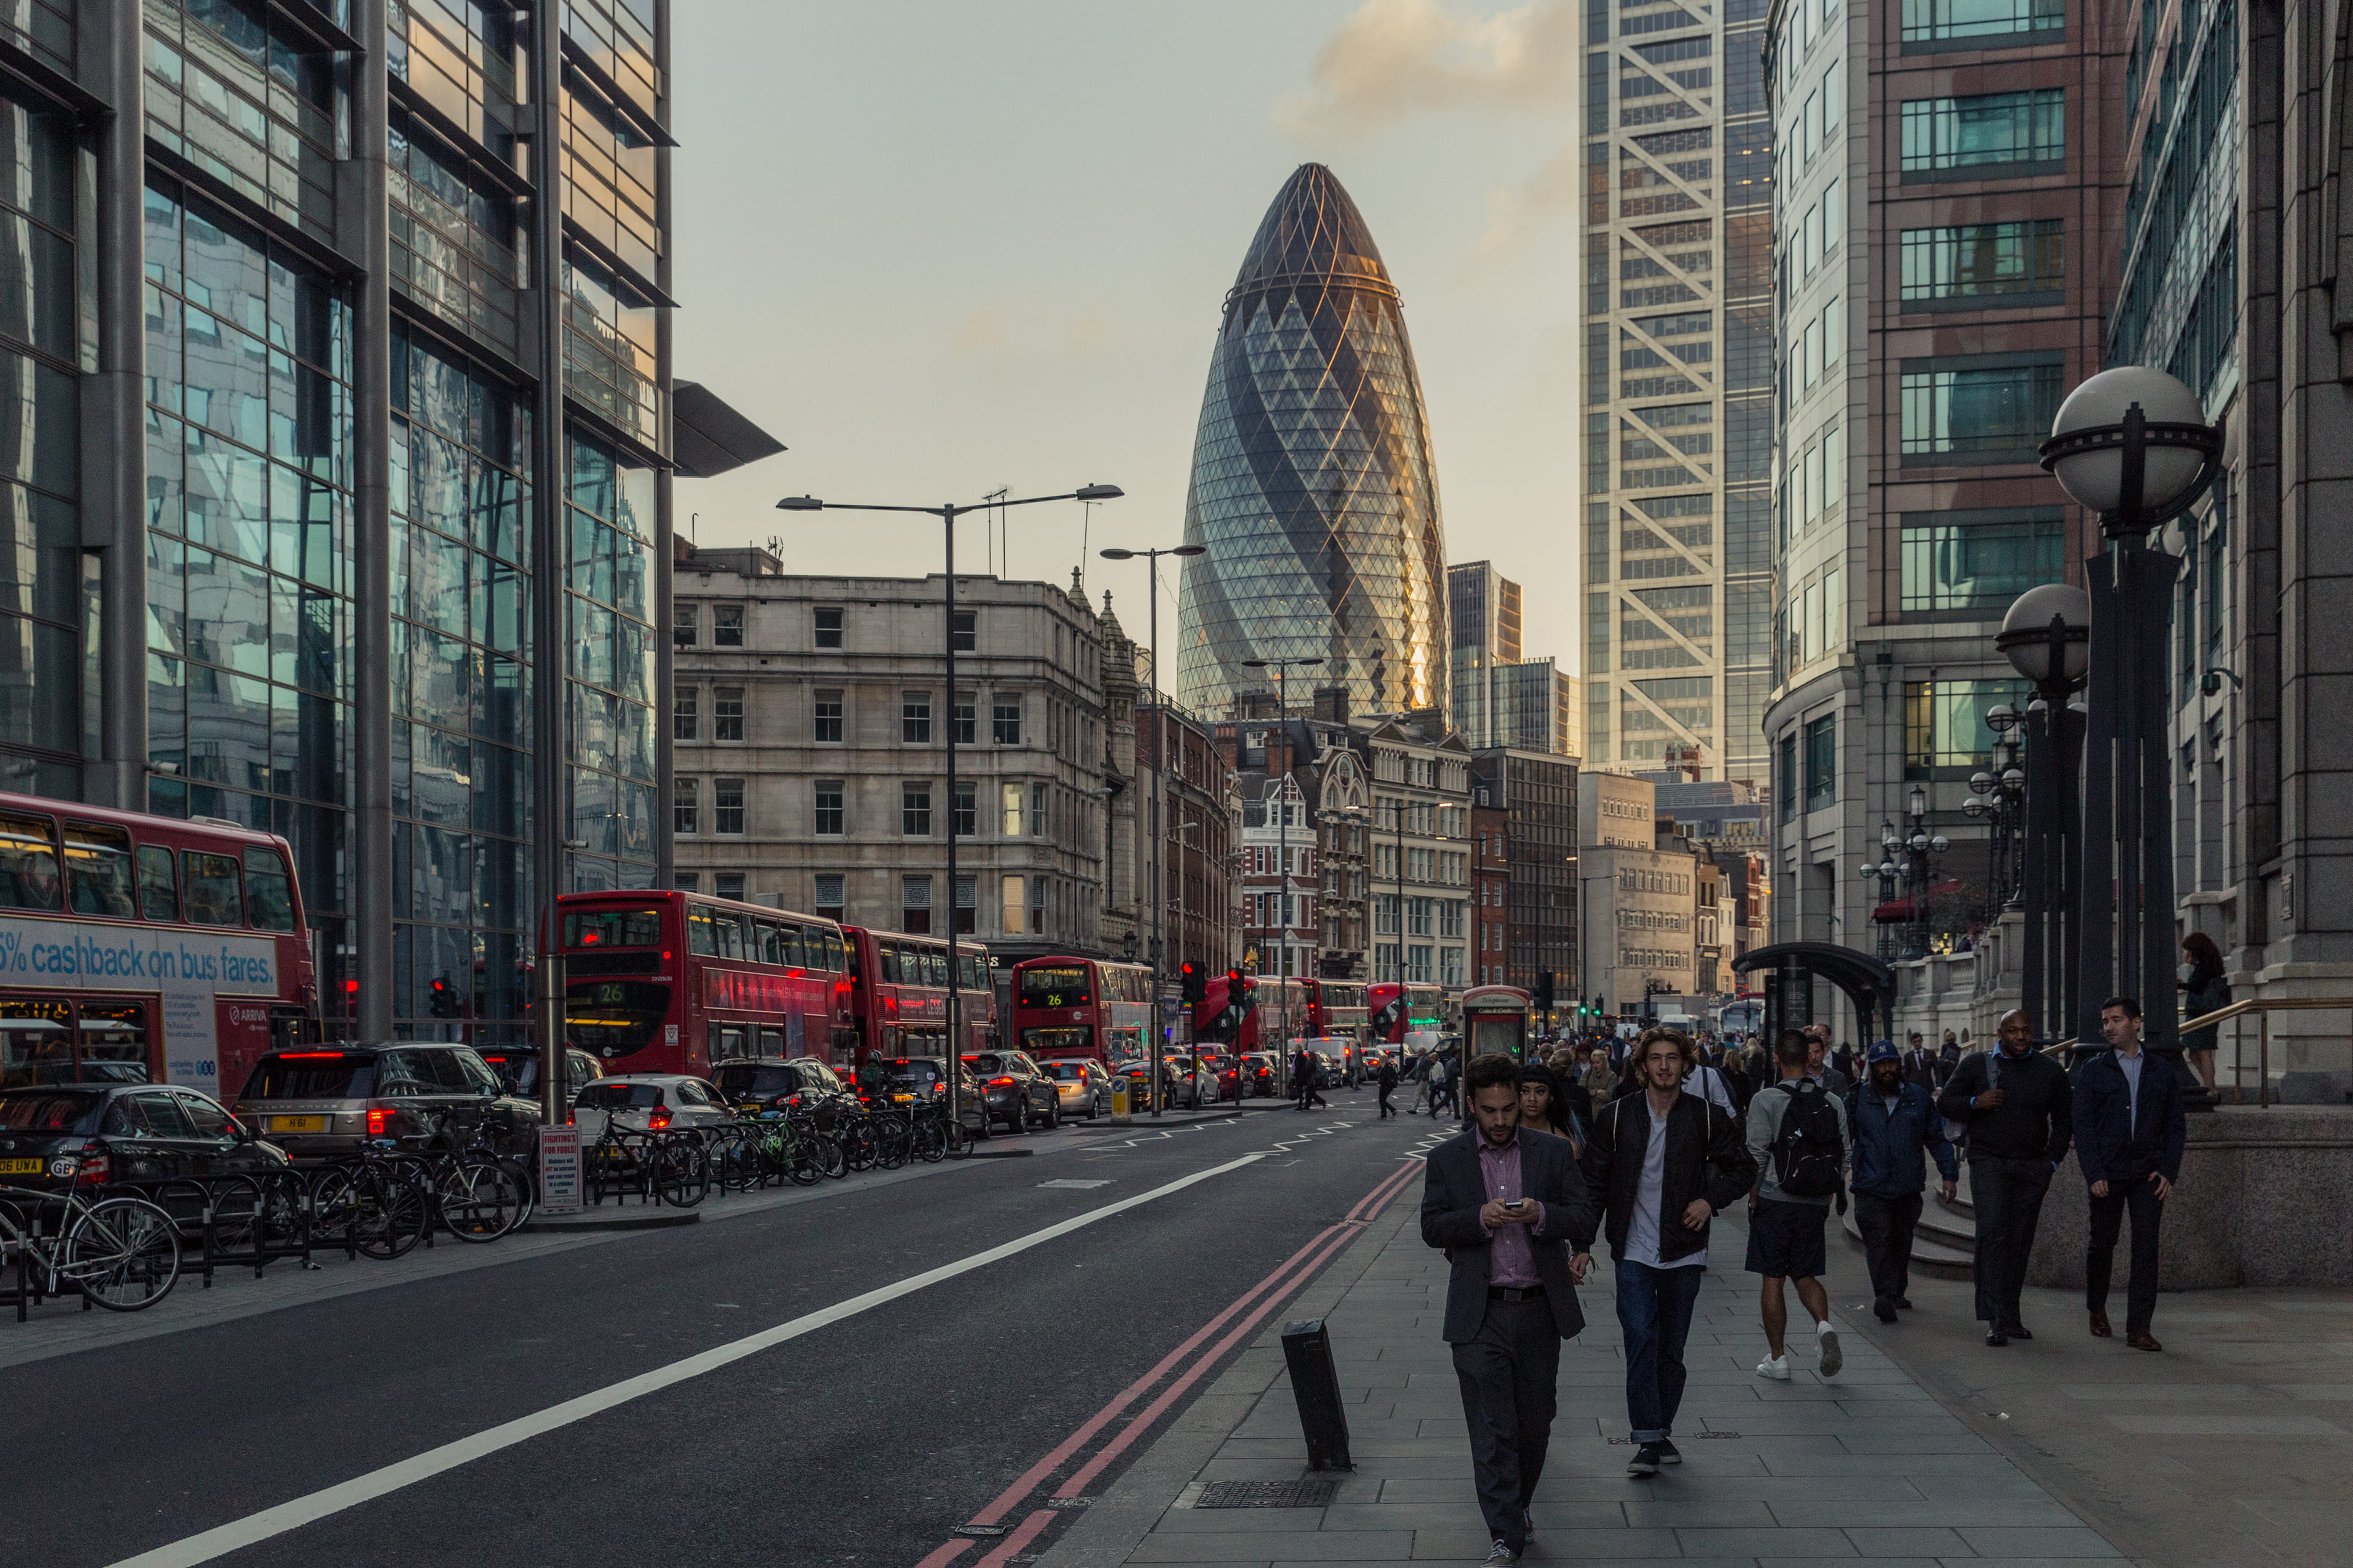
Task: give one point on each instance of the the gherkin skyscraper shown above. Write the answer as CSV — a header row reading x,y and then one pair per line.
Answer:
x,y
1313,492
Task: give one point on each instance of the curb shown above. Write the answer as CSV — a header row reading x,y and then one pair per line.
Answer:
x,y
657,1219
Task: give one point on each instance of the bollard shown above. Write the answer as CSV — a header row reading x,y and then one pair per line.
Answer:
x,y
1122,1112
1307,1351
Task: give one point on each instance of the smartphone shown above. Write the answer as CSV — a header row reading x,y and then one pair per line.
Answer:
x,y
1517,1204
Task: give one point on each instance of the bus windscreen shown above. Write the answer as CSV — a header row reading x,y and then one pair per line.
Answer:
x,y
1055,985
615,1017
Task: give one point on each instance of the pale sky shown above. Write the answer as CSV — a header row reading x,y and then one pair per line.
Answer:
x,y
938,247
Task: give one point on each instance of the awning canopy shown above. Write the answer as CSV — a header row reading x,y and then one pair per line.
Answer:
x,y
1868,984
709,438
1895,911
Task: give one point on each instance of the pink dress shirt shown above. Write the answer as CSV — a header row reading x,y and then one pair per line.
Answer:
x,y
1510,1259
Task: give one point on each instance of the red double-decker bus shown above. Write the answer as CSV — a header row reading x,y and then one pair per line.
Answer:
x,y
1069,1007
1398,1009
138,948
899,996
1339,1007
667,982
1259,1014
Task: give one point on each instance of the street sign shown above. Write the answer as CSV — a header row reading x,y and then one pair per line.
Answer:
x,y
559,1170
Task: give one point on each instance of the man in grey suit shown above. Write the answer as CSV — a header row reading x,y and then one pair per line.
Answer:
x,y
1504,1205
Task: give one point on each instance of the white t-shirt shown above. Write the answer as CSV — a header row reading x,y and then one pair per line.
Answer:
x,y
1707,1084
1642,1227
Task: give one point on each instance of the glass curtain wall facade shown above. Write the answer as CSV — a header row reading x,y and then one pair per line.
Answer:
x,y
1677,563
1313,490
281,435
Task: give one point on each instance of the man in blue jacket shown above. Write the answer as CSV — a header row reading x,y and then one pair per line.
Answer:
x,y
1891,1122
2129,1129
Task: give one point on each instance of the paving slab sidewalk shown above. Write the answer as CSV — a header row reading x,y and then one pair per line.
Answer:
x,y
1867,1467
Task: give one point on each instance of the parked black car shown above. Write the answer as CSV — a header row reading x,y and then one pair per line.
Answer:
x,y
519,1065
1015,1091
91,1135
775,1083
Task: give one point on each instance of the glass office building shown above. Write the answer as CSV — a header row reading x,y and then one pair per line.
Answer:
x,y
1678,558
285,547
1313,490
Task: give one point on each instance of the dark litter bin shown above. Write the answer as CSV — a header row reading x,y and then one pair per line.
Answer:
x,y
1307,1351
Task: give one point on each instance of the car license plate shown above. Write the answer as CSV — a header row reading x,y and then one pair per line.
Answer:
x,y
298,1124
22,1167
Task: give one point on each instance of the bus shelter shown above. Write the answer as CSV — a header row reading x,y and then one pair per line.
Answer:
x,y
1788,970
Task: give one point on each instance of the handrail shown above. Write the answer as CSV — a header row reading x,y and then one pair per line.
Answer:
x,y
2264,1007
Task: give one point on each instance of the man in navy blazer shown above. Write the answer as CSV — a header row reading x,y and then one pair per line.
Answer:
x,y
2129,1130
1504,1205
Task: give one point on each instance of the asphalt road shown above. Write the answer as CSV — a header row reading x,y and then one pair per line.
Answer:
x,y
866,1439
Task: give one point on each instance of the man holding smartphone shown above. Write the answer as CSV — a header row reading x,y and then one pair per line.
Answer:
x,y
1503,1204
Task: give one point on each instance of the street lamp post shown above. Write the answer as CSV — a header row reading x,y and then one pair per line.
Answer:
x,y
2131,444
1919,846
2047,638
1885,870
1282,667
1998,796
947,515
1159,827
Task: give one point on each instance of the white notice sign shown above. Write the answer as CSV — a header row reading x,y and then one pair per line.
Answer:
x,y
559,1170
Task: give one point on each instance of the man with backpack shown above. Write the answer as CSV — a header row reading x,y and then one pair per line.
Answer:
x,y
1386,1080
1796,1135
1894,1120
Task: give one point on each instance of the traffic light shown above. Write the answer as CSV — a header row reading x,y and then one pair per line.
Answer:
x,y
444,1000
1543,991
1195,984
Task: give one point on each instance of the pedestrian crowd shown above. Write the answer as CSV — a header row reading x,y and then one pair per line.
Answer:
x,y
1641,1143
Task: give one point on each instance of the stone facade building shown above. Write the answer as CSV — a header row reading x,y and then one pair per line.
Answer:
x,y
809,733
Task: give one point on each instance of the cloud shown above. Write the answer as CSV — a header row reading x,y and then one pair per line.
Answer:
x,y
1512,210
1393,60
981,332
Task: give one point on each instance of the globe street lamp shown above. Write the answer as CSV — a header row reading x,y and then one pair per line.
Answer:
x,y
948,516
2047,638
1159,766
2133,445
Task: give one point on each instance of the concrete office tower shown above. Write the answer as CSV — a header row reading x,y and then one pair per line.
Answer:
x,y
327,400
1946,228
1313,490
1678,385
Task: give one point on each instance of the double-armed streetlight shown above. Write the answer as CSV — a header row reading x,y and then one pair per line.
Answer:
x,y
1997,797
2133,445
2047,638
947,514
1159,766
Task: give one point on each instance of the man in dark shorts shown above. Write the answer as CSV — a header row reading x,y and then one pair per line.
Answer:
x,y
1784,1229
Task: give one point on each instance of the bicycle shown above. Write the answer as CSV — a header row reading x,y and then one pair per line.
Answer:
x,y
477,1195
121,1253
667,1167
379,1204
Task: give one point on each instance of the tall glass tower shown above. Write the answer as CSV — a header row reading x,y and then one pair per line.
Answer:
x,y
1678,384
1313,492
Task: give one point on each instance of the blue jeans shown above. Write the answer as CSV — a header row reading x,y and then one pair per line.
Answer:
x,y
1654,1311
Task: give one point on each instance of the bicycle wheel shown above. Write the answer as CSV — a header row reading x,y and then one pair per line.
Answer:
x,y
392,1212
894,1147
479,1199
830,1160
122,1253
238,1207
796,1156
736,1164
334,1200
681,1173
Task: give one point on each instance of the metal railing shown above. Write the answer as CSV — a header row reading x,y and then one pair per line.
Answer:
x,y
2262,1008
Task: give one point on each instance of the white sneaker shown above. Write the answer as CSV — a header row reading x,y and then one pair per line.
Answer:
x,y
1832,1359
1774,1367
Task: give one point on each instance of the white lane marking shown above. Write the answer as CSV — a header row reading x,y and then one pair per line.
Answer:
x,y
1073,1182
240,1533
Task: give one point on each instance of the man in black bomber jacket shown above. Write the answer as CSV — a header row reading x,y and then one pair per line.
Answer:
x,y
1662,1162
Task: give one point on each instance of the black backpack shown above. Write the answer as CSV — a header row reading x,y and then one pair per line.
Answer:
x,y
1809,1155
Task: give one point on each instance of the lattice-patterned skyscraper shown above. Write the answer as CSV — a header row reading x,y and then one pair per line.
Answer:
x,y
1313,492
1678,560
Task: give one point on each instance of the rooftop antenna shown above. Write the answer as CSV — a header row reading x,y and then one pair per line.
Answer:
x,y
691,536
995,539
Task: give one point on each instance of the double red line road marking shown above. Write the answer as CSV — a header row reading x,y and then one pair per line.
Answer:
x,y
1269,1293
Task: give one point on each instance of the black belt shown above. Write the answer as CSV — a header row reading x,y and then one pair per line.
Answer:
x,y
1515,1293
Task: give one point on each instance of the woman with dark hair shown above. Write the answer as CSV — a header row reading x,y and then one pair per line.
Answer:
x,y
2203,990
1544,1106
